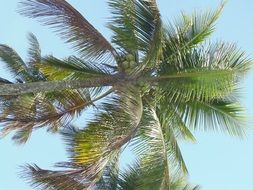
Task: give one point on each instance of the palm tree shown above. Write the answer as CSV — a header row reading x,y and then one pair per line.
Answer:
x,y
152,85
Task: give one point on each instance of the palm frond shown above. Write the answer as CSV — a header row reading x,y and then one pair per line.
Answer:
x,y
52,110
9,115
137,27
23,72
122,25
47,179
23,134
124,111
172,121
153,152
218,115
204,73
109,178
70,25
188,32
34,51
14,62
130,179
71,68
92,148
34,58
165,116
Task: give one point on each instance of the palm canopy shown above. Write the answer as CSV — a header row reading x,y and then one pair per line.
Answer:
x,y
152,85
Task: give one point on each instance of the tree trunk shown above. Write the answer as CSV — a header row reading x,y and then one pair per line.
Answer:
x,y
46,86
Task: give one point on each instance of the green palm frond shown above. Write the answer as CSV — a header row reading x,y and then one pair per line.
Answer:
x,y
173,123
34,51
71,68
204,73
155,40
23,72
123,25
217,55
137,27
188,32
219,115
130,179
34,58
174,129
157,154
14,62
70,25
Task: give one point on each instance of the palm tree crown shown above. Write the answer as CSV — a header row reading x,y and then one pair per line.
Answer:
x,y
152,85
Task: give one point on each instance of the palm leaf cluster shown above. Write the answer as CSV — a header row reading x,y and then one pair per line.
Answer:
x,y
31,111
152,85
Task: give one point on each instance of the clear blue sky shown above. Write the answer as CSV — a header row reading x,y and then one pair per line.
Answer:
x,y
216,162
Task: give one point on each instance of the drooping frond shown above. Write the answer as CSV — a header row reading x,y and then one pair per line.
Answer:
x,y
52,110
130,179
71,179
223,114
124,111
155,39
157,158
92,148
219,115
152,152
157,150
174,126
137,27
70,25
27,112
47,179
174,130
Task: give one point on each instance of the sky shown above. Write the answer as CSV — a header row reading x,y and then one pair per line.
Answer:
x,y
215,162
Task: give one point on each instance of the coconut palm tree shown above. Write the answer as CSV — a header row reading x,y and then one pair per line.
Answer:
x,y
152,85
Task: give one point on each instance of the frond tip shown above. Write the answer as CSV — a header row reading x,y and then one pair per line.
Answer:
x,y
46,179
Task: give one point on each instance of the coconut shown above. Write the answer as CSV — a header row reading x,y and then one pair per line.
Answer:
x,y
125,64
129,57
132,64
